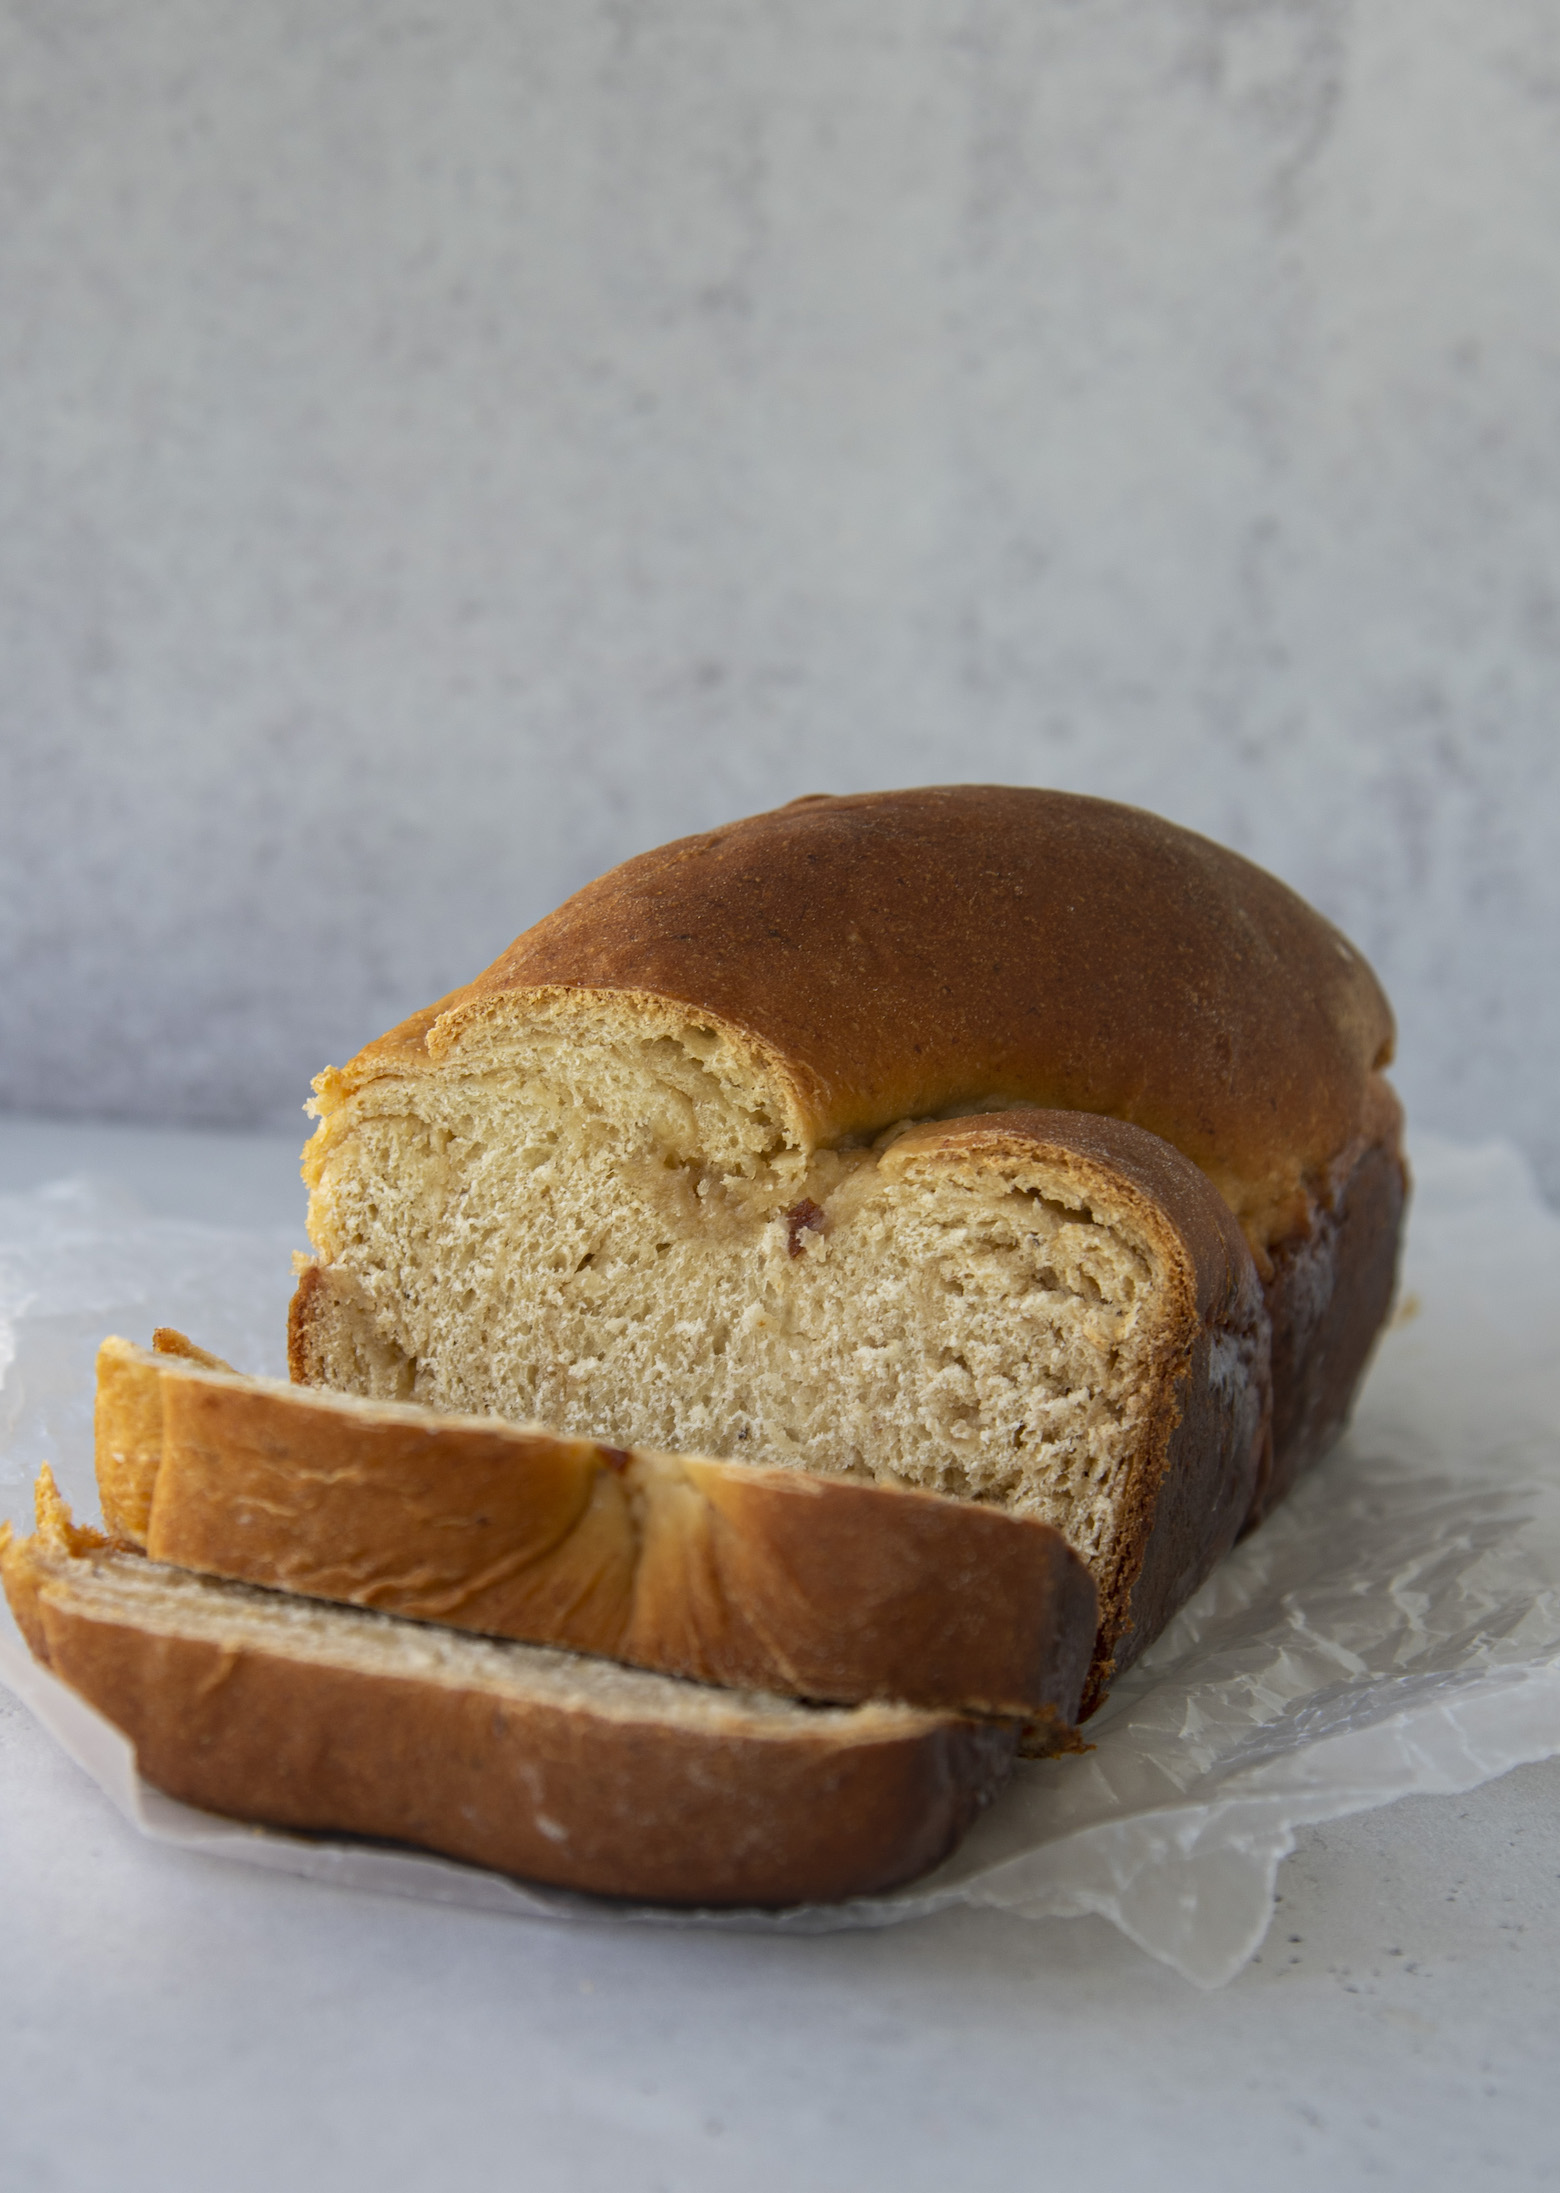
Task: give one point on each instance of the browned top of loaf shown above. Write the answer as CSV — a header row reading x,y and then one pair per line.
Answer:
x,y
904,953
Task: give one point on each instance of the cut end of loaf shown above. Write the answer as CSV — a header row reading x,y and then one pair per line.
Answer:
x,y
599,1237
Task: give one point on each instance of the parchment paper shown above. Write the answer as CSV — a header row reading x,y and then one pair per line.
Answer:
x,y
1395,1628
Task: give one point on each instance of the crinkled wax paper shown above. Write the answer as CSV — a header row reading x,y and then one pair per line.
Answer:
x,y
1395,1628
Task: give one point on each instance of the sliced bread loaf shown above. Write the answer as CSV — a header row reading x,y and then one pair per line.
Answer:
x,y
732,1153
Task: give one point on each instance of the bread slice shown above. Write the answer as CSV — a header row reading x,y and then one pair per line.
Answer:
x,y
1045,1315
562,1769
766,1579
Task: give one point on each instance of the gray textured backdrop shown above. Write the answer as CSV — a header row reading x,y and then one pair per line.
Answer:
x,y
445,449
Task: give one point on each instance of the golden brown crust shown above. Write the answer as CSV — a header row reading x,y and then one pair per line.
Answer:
x,y
168,1340
620,1804
306,1345
127,1436
127,1417
25,1563
23,1573
757,1578
902,954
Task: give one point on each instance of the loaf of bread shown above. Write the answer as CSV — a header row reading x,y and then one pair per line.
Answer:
x,y
1013,1146
930,1227
759,1579
563,1769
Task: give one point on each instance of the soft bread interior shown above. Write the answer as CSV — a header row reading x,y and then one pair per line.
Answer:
x,y
125,1589
605,1227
